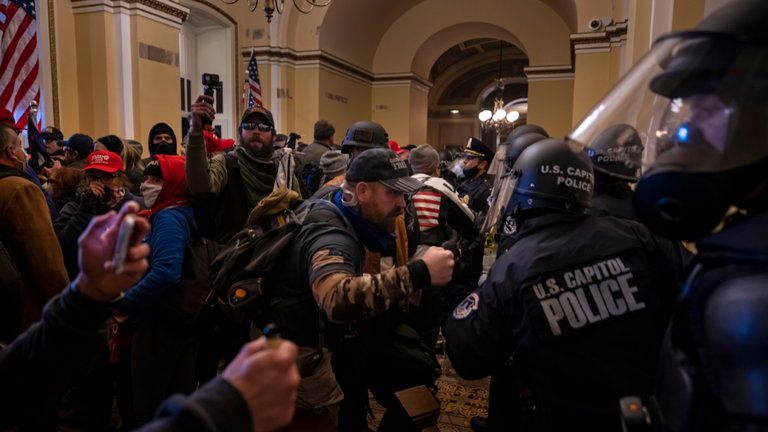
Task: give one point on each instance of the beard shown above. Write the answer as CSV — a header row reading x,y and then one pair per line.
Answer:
x,y
257,146
386,222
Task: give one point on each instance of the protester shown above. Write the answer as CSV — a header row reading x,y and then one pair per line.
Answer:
x,y
163,350
132,166
256,392
51,137
64,183
323,142
237,181
162,141
403,153
333,164
103,190
27,235
135,145
280,141
77,149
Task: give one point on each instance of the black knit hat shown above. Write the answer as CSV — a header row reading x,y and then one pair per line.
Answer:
x,y
112,143
153,168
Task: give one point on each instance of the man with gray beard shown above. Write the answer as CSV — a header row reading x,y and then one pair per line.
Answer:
x,y
234,183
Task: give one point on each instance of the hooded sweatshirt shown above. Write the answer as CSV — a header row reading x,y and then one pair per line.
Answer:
x,y
168,236
164,148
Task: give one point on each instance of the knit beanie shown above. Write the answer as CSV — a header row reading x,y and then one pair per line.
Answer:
x,y
424,159
334,164
112,143
153,168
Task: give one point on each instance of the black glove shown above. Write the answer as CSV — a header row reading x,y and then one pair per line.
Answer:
x,y
87,196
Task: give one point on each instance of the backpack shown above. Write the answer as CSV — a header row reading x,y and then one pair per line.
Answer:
x,y
188,303
252,260
312,176
11,286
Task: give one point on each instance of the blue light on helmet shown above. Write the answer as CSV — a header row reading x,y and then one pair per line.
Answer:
x,y
682,134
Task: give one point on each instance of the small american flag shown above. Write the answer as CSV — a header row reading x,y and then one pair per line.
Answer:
x,y
253,85
19,84
427,209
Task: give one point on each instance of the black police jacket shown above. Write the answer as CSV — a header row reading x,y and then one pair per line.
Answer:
x,y
608,205
475,192
585,300
714,361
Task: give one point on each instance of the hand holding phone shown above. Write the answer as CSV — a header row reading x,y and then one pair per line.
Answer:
x,y
123,242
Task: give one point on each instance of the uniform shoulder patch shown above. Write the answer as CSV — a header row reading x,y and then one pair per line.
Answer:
x,y
467,306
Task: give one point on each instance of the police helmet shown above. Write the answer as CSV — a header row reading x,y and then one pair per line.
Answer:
x,y
366,134
617,152
699,101
552,174
445,157
521,143
526,129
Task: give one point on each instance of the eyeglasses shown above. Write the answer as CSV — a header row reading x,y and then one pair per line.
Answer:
x,y
262,127
106,179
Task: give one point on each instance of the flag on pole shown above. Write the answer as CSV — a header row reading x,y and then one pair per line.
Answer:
x,y
253,86
19,66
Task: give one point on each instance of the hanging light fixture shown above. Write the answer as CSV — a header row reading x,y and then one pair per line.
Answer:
x,y
498,119
270,6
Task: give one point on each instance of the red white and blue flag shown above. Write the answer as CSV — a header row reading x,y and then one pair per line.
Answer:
x,y
427,209
252,92
19,67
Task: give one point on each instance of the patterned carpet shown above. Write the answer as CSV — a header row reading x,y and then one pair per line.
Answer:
x,y
460,400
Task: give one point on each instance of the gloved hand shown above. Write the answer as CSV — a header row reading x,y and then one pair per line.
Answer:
x,y
87,195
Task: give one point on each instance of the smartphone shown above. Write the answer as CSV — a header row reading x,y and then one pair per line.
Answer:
x,y
211,83
123,243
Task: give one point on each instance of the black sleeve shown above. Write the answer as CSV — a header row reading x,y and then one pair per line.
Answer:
x,y
39,366
458,220
215,407
72,222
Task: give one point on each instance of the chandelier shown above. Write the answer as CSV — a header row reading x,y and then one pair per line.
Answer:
x,y
498,119
270,6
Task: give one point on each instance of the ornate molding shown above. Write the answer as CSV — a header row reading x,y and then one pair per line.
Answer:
x,y
550,73
164,11
54,67
614,36
164,7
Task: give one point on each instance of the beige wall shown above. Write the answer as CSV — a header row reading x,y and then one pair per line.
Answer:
x,y
593,73
340,114
395,118
69,83
419,107
550,105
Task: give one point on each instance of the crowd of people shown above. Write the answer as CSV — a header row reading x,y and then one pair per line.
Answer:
x,y
267,281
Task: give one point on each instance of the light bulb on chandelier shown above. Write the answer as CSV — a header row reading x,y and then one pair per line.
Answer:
x,y
485,115
512,116
499,115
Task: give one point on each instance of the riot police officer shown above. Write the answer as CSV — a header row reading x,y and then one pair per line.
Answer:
x,y
616,156
476,188
583,301
707,150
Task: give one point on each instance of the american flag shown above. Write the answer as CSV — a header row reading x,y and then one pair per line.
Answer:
x,y
427,209
253,86
19,85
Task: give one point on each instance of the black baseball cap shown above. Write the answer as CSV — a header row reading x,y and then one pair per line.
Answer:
x,y
81,143
258,111
383,166
52,133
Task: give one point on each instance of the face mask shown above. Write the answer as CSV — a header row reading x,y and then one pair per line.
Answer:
x,y
113,197
470,173
163,149
150,193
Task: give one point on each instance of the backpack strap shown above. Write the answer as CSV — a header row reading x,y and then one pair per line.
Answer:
x,y
196,235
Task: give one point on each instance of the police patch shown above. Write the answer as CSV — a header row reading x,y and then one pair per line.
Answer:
x,y
467,306
510,225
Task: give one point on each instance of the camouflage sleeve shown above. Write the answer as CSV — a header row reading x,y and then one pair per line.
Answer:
x,y
345,298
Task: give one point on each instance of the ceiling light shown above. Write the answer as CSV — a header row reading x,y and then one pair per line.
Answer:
x,y
485,115
454,111
512,116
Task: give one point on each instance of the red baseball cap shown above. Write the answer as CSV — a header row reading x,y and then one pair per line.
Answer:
x,y
395,147
106,161
7,117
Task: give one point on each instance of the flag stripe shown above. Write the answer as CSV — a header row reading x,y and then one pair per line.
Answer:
x,y
19,64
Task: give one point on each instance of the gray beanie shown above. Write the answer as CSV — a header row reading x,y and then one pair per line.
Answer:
x,y
323,130
334,164
424,159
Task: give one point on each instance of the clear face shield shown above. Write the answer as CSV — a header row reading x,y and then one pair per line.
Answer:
x,y
502,192
686,97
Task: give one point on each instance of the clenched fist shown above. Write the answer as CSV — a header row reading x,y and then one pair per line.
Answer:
x,y
440,263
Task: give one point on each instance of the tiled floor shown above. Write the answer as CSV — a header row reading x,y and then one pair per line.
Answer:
x,y
460,400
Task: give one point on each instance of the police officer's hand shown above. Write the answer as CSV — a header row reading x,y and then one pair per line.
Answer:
x,y
267,379
440,263
96,247
201,108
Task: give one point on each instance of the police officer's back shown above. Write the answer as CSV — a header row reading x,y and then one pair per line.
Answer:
x,y
583,299
709,151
